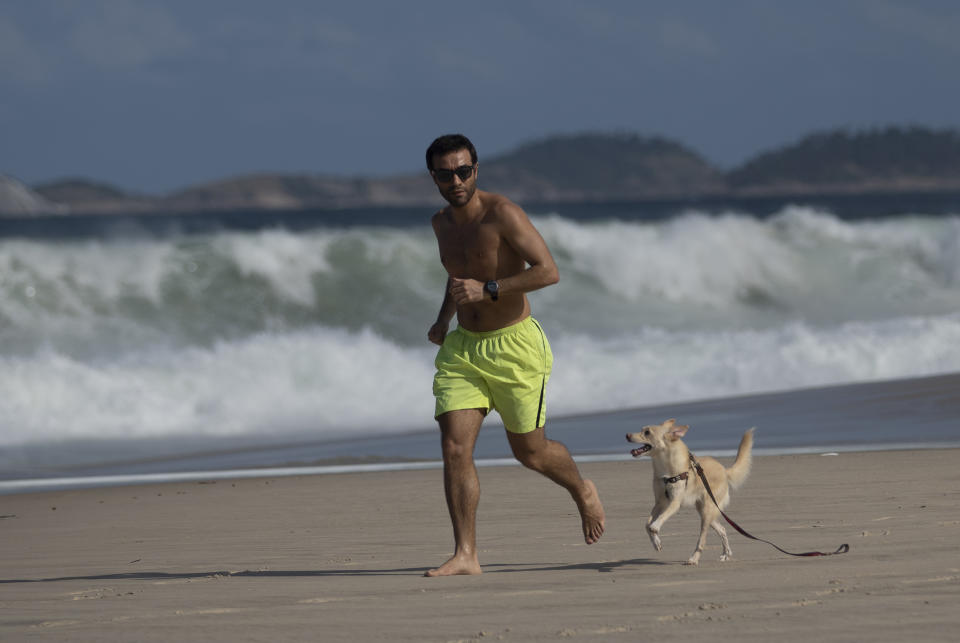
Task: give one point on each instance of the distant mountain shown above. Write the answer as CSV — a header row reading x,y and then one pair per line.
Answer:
x,y
18,200
570,168
890,159
84,195
591,167
585,167
286,191
79,190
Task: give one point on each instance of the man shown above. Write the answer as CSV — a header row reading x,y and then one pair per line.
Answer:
x,y
497,357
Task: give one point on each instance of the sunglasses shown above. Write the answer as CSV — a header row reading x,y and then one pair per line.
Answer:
x,y
464,172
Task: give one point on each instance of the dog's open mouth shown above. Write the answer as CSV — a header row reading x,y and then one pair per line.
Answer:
x,y
639,451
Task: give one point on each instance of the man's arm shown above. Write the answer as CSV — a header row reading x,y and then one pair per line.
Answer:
x,y
519,233
524,238
447,310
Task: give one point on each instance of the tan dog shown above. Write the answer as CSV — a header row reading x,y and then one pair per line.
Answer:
x,y
676,483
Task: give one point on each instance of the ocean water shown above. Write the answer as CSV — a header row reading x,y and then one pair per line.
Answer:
x,y
133,339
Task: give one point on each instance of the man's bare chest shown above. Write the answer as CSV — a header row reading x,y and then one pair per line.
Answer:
x,y
467,249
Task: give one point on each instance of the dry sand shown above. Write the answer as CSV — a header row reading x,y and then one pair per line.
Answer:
x,y
341,558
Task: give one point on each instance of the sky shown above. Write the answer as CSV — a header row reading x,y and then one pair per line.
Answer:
x,y
152,96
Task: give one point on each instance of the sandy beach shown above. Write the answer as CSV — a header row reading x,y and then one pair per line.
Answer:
x,y
341,557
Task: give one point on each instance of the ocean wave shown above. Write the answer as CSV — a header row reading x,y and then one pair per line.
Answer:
x,y
328,383
322,332
654,366
320,383
694,271
732,270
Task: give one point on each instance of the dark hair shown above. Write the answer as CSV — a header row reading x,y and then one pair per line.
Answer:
x,y
450,143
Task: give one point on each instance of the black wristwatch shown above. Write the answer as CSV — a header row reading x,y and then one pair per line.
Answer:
x,y
493,288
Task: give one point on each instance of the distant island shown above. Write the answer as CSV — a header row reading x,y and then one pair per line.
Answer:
x,y
580,168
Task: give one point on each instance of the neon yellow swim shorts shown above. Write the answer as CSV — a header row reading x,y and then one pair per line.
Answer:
x,y
505,369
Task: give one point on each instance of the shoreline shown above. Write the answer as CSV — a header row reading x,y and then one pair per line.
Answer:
x,y
33,485
341,557
862,416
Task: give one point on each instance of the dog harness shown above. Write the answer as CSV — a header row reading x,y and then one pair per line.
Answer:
x,y
676,478
669,480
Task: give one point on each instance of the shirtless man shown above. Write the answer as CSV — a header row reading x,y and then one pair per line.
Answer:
x,y
498,356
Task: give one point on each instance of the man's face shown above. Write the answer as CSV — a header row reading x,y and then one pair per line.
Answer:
x,y
456,191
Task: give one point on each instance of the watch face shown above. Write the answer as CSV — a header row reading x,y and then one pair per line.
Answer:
x,y
493,287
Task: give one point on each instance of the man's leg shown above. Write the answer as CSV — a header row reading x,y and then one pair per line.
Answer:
x,y
459,431
552,459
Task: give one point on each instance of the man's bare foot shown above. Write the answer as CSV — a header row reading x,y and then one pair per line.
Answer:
x,y
456,566
591,513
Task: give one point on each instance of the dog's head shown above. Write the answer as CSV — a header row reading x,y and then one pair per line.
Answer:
x,y
656,437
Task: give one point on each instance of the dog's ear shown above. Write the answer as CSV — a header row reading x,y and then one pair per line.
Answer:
x,y
677,431
669,423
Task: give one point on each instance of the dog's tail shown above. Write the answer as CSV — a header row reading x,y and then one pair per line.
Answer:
x,y
737,473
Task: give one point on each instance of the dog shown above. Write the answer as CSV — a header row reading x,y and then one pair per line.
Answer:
x,y
676,483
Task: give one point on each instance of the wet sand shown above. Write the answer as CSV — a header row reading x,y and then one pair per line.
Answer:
x,y
342,557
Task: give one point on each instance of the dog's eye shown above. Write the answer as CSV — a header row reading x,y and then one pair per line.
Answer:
x,y
646,432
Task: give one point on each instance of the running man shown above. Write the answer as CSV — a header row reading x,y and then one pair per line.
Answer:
x,y
498,356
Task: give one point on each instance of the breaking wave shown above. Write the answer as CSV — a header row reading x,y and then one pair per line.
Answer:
x,y
322,332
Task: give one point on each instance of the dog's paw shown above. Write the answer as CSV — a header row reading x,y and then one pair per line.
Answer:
x,y
654,538
693,561
725,557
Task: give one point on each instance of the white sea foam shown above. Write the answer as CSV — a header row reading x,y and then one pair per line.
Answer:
x,y
700,271
655,365
320,383
331,383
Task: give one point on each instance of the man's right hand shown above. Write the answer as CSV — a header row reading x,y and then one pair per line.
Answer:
x,y
466,291
437,332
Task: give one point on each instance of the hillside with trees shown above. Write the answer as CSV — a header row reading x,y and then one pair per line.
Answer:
x,y
887,159
597,166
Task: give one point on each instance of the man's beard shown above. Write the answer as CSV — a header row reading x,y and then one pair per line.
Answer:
x,y
460,195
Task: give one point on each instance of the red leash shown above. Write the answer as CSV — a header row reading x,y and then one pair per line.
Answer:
x,y
842,549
